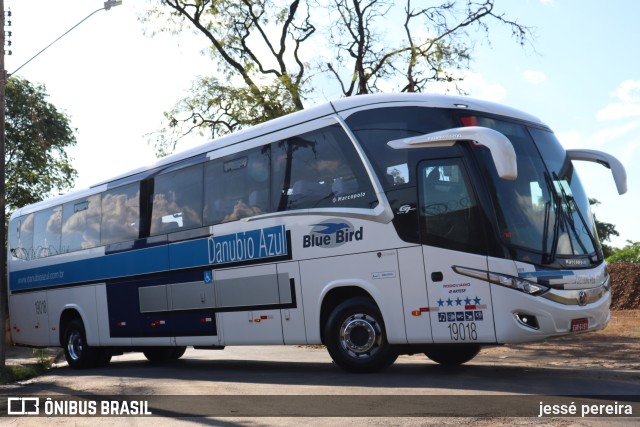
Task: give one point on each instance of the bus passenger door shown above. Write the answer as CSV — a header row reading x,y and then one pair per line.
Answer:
x,y
414,296
248,302
451,230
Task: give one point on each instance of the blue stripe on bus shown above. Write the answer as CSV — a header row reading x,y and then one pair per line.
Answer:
x,y
548,274
91,270
271,243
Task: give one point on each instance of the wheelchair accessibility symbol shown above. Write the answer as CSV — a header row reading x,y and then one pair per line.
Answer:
x,y
208,278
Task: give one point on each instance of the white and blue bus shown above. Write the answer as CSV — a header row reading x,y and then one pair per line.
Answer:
x,y
376,225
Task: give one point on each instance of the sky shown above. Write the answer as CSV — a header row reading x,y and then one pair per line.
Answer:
x,y
580,75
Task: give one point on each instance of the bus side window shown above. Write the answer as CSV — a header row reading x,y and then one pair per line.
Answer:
x,y
177,200
81,224
21,237
375,127
397,174
120,214
450,217
319,169
47,232
237,186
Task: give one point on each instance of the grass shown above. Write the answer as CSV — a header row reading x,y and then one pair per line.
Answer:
x,y
14,373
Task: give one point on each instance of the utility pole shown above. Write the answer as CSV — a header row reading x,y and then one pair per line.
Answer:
x,y
3,232
4,279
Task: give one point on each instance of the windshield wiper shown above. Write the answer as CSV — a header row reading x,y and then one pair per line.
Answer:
x,y
571,203
551,256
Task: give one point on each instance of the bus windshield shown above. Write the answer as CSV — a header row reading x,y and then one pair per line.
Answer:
x,y
545,210
543,216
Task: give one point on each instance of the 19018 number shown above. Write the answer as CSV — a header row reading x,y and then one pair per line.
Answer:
x,y
463,331
41,306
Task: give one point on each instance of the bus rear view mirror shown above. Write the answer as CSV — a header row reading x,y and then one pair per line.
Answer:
x,y
607,160
502,151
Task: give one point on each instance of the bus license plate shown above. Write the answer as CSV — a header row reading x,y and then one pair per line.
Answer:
x,y
579,325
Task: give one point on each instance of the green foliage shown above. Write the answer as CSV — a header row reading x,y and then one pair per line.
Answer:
x,y
37,135
40,362
605,230
14,373
43,359
630,253
219,109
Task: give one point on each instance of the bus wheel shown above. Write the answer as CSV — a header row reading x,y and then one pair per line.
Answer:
x,y
164,354
356,339
76,350
451,354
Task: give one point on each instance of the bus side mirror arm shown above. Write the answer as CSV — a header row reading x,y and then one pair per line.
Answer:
x,y
502,151
608,161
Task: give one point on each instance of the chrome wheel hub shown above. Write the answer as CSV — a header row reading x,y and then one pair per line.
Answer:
x,y
360,335
75,345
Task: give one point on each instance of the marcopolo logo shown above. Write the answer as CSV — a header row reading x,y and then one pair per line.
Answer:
x,y
332,233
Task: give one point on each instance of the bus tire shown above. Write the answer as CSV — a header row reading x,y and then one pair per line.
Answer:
x,y
164,354
356,338
453,354
76,350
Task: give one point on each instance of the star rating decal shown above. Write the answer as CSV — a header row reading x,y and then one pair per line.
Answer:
x,y
458,301
467,309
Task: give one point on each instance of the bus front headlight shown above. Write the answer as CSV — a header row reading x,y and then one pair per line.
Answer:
x,y
505,280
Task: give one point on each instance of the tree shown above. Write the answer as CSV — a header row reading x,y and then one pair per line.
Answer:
x,y
264,59
433,43
605,231
256,47
630,253
37,135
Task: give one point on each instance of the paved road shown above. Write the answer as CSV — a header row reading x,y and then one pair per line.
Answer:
x,y
225,383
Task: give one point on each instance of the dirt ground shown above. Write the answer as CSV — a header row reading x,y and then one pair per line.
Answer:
x,y
617,347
